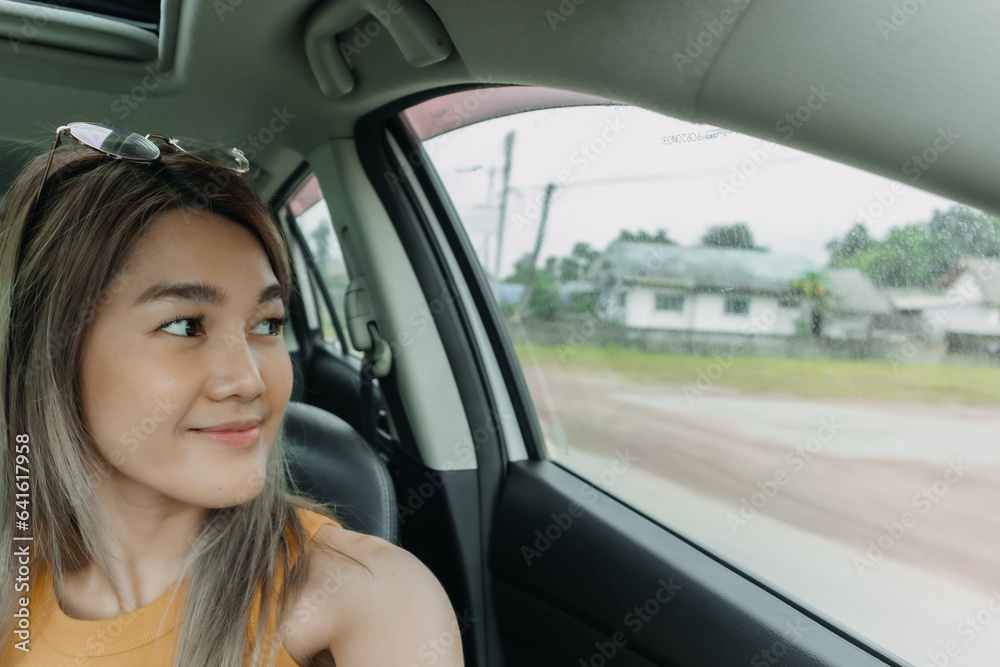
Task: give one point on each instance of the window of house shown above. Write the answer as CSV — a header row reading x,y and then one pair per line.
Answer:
x,y
737,306
673,302
622,298
786,301
843,447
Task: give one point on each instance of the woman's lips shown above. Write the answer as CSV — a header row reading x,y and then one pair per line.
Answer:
x,y
237,439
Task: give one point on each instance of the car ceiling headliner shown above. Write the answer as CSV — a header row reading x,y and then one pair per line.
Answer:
x,y
891,92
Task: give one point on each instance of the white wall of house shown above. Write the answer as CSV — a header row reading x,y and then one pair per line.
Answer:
x,y
705,311
847,326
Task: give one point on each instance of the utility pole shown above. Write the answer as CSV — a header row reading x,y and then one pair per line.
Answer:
x,y
508,149
530,279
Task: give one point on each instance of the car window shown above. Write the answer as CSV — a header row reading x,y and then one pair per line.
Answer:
x,y
792,362
311,214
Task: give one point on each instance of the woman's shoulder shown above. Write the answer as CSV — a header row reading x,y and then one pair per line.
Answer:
x,y
358,588
312,521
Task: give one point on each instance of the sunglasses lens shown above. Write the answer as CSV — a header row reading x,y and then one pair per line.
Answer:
x,y
115,141
217,153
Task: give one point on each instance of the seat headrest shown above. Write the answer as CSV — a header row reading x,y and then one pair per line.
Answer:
x,y
331,463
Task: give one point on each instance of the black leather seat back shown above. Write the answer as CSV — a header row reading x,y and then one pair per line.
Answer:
x,y
332,464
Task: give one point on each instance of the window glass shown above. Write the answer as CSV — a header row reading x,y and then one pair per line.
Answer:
x,y
670,302
310,213
737,306
790,361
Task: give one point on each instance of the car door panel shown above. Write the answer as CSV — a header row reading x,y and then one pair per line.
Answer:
x,y
565,548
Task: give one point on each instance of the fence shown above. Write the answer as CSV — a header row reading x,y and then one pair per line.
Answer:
x,y
591,332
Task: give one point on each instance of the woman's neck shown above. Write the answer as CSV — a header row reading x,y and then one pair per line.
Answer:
x,y
148,542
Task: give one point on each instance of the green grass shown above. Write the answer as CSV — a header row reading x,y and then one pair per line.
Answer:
x,y
811,378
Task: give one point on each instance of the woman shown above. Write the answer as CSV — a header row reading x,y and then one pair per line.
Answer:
x,y
144,287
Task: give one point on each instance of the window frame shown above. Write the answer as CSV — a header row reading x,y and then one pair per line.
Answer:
x,y
662,297
736,306
372,133
312,267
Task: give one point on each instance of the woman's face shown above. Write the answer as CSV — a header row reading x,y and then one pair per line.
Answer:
x,y
191,343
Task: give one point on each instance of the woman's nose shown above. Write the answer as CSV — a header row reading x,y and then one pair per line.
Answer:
x,y
235,369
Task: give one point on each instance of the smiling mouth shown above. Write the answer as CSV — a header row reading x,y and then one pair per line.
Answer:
x,y
237,439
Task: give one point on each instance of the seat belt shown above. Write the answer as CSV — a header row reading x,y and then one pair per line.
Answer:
x,y
377,360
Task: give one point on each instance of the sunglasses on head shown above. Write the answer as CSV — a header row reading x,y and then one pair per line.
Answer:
x,y
132,147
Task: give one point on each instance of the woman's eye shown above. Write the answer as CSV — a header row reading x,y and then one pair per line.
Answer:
x,y
184,326
271,326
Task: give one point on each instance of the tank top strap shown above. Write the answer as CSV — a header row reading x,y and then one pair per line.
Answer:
x,y
311,522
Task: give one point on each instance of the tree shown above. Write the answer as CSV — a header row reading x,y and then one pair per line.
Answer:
x,y
520,269
643,236
731,236
575,266
813,286
856,241
545,302
918,254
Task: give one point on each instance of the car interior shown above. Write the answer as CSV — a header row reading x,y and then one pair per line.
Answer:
x,y
411,413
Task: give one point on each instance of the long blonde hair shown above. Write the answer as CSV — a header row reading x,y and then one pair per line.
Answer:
x,y
58,266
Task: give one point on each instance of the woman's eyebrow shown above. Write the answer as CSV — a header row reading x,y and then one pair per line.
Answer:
x,y
199,291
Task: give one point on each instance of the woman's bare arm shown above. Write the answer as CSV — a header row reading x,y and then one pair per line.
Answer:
x,y
397,615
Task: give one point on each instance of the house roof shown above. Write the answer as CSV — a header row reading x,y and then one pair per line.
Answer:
x,y
698,267
852,292
916,299
986,270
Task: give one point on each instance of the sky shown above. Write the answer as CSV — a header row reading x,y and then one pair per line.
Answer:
x,y
618,167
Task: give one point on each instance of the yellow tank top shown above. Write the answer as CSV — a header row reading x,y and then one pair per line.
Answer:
x,y
145,637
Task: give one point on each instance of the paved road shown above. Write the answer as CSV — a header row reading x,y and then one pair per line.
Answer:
x,y
803,492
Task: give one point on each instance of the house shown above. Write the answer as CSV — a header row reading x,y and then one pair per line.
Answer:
x,y
973,287
854,307
920,313
699,289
